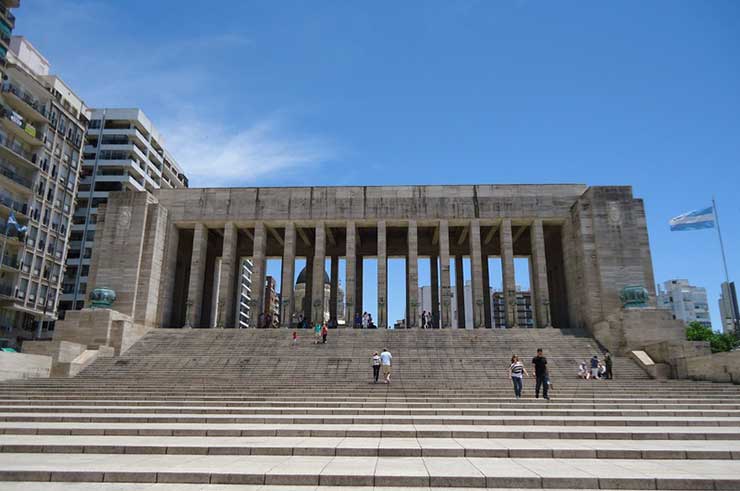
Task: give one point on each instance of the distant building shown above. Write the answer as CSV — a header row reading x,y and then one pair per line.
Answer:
x,y
688,303
525,316
728,308
271,301
123,152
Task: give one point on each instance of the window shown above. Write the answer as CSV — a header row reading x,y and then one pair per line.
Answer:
x,y
94,124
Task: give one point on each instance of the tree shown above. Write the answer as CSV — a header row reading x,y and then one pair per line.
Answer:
x,y
718,342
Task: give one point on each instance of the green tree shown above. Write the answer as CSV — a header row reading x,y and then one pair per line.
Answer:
x,y
718,342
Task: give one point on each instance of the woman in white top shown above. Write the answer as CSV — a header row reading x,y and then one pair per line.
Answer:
x,y
376,366
517,371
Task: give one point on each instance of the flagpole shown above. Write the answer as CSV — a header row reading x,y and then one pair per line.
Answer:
x,y
721,244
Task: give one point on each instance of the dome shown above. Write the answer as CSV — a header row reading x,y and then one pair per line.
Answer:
x,y
302,278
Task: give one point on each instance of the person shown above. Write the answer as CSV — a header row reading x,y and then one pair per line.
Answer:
x,y
295,338
516,371
602,371
358,320
583,371
424,319
609,363
376,366
317,332
324,332
365,320
594,367
370,323
540,372
385,361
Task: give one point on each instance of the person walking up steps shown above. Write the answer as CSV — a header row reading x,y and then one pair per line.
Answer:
x,y
609,364
516,371
324,332
540,373
376,366
385,361
295,338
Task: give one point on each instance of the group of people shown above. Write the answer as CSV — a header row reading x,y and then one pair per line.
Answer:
x,y
427,320
320,333
364,321
597,369
382,360
517,372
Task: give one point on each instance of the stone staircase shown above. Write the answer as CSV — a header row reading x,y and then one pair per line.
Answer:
x,y
245,409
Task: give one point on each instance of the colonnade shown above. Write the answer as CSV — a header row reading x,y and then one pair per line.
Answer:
x,y
439,257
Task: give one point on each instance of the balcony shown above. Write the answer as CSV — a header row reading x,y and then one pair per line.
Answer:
x,y
20,128
6,289
19,182
16,154
10,262
5,12
24,102
11,203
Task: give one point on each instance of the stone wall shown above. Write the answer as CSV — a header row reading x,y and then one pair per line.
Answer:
x,y
23,365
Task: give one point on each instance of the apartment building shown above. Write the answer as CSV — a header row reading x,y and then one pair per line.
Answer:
x,y
124,151
687,302
244,305
42,127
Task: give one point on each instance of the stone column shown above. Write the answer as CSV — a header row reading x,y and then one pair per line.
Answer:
x,y
286,283
334,288
308,290
486,291
434,276
258,274
412,281
382,277
541,301
460,291
445,283
507,268
194,305
359,267
476,273
350,272
227,281
319,271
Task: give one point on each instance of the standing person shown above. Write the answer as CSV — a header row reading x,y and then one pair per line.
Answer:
x,y
376,366
594,367
516,371
317,333
385,361
423,319
608,362
295,338
324,332
540,373
365,320
358,320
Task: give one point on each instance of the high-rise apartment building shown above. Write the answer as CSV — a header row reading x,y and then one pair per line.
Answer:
x,y
123,152
728,308
271,307
42,127
687,303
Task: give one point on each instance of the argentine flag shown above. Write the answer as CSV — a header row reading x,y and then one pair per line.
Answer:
x,y
693,220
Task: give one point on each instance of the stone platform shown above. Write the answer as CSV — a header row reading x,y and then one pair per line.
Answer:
x,y
244,410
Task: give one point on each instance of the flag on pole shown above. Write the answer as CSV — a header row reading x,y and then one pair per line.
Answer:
x,y
693,220
14,223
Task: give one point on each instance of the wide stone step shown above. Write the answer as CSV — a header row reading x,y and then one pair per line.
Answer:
x,y
373,471
327,419
375,447
576,431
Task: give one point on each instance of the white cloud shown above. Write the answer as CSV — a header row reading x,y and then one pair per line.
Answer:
x,y
211,155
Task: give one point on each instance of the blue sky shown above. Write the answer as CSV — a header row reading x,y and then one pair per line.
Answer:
x,y
336,93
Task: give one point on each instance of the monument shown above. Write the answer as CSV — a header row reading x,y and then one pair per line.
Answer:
x,y
172,256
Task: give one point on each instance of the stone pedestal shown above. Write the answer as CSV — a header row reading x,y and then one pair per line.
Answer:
x,y
634,328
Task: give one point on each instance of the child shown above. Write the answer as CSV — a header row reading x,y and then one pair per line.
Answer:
x,y
295,338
